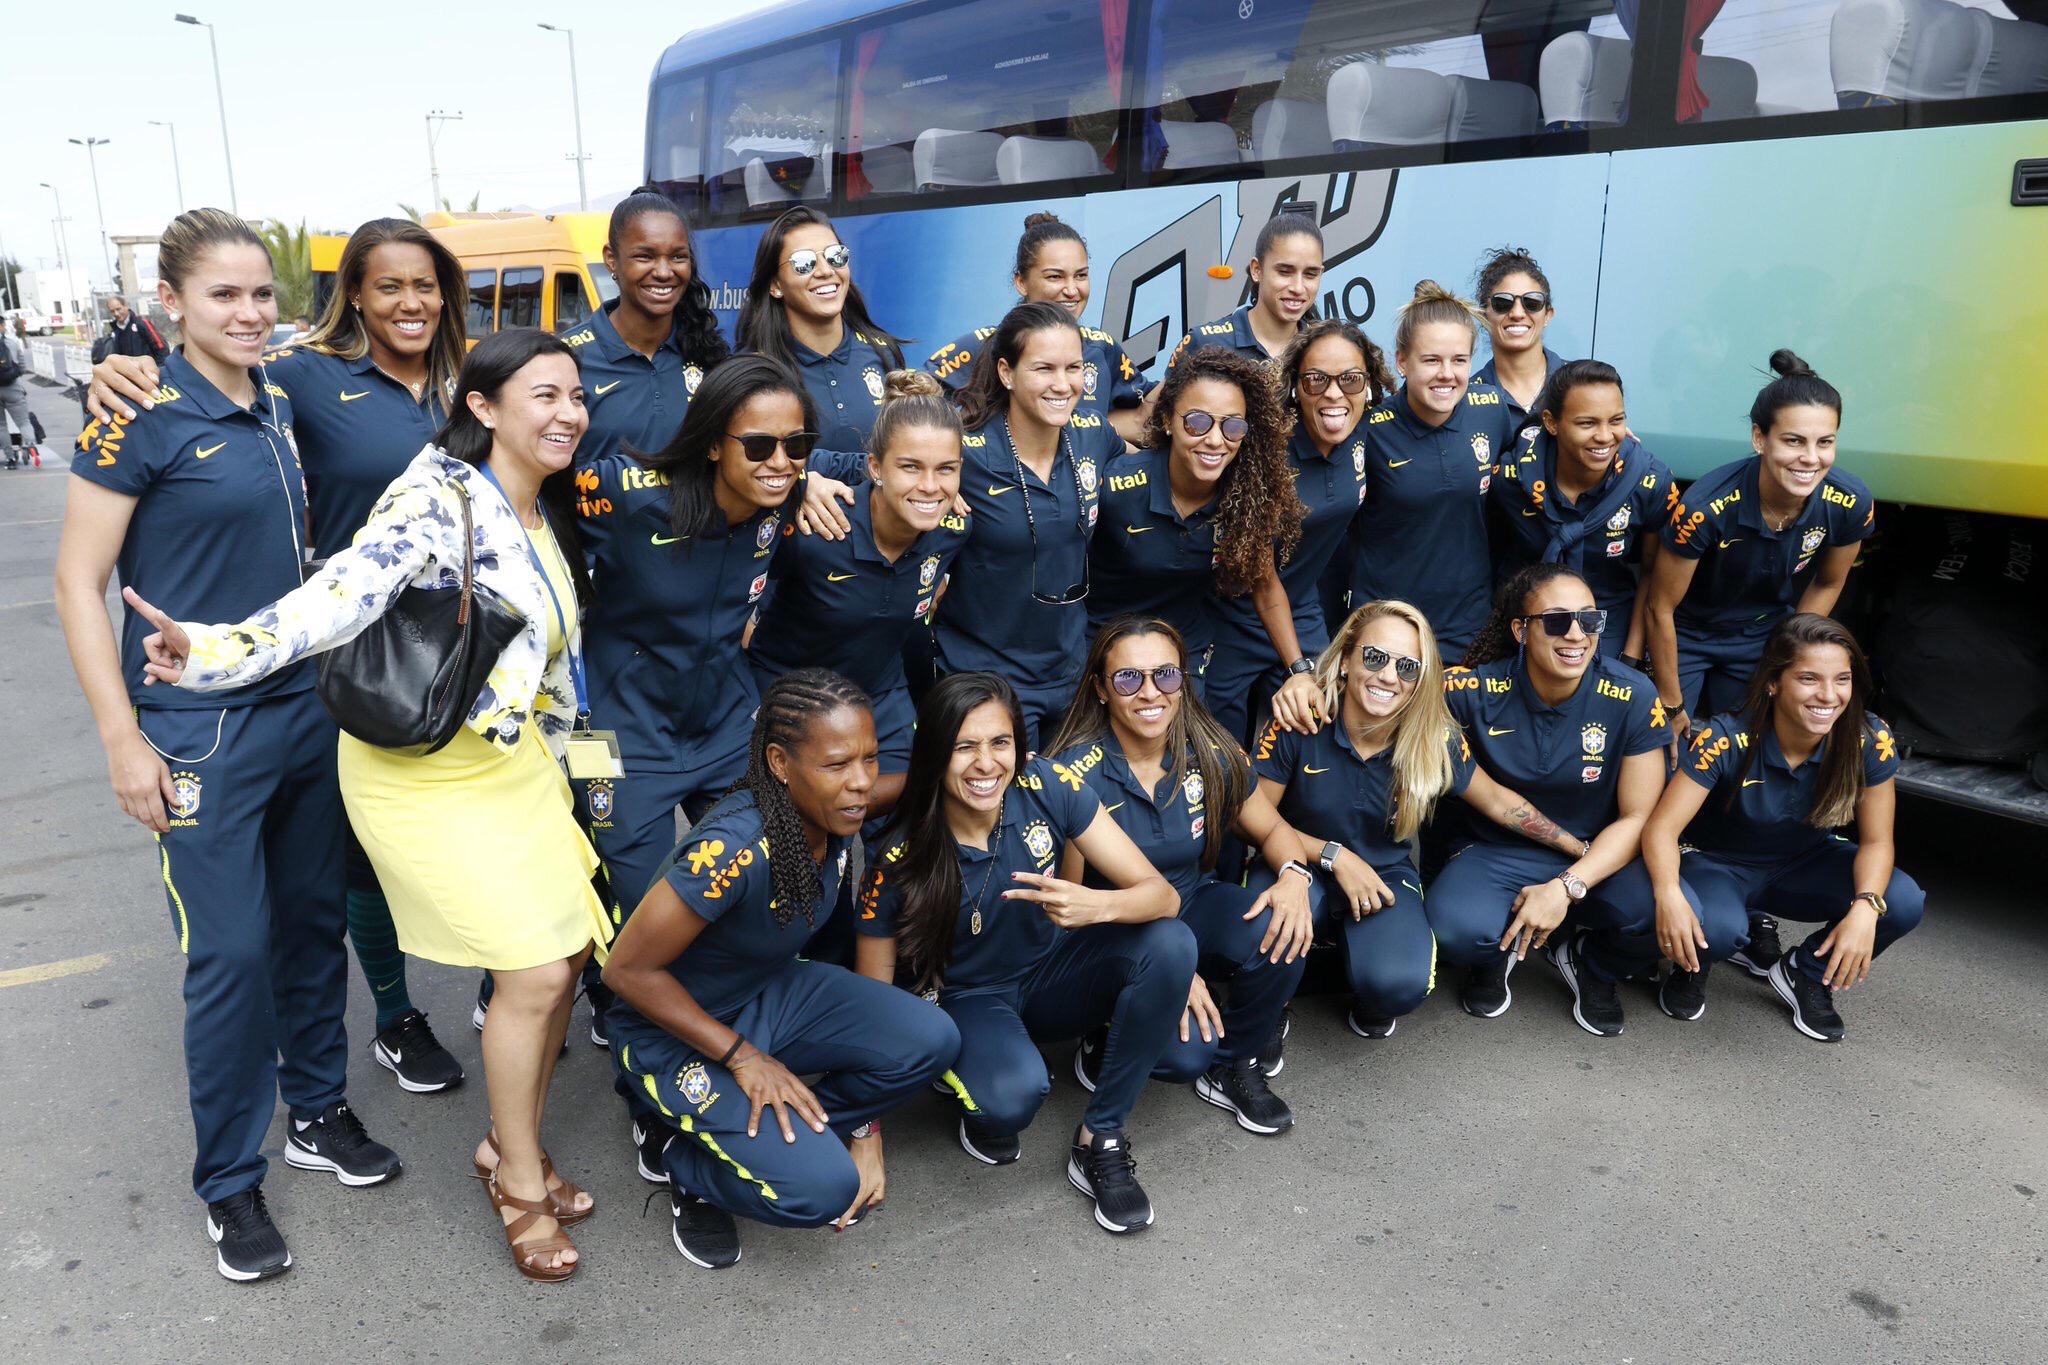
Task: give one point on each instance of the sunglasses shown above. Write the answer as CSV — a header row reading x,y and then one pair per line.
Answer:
x,y
1374,658
1314,383
805,261
1559,623
759,446
1126,682
1504,304
1197,424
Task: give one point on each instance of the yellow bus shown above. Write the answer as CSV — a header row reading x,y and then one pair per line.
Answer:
x,y
524,269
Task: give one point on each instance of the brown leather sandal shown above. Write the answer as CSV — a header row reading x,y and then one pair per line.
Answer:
x,y
561,1197
530,1257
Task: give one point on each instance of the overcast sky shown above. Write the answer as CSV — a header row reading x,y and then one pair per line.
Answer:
x,y
326,107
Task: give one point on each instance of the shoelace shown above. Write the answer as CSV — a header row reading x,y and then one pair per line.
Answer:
x,y
413,1033
245,1211
1112,1166
347,1129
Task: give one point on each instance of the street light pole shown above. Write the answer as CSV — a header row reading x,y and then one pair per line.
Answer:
x,y
177,174
433,166
220,97
576,99
89,143
64,250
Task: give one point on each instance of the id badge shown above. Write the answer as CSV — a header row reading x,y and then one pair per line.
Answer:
x,y
593,754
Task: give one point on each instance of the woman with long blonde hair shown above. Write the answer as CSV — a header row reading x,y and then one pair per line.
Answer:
x,y
1361,784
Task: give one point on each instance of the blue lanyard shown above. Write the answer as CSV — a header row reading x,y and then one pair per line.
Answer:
x,y
561,620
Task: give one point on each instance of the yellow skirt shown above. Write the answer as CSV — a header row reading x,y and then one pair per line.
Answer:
x,y
477,850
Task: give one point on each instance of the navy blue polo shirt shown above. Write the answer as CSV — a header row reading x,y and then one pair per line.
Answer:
x,y
1170,824
1763,820
1489,375
1598,536
1565,759
1332,794
996,942
357,427
662,642
1749,576
1232,331
219,525
989,620
845,386
633,400
1148,559
720,870
1421,534
1108,378
1331,487
839,604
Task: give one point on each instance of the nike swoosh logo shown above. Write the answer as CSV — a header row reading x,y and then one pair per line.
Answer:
x,y
1396,464
666,540
1140,530
993,490
1315,770
203,451
1528,511
602,389
839,577
1491,731
352,397
1752,781
1118,806
1726,543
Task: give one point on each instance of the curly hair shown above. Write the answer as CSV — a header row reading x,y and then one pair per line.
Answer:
x,y
1379,375
1496,639
788,708
1259,522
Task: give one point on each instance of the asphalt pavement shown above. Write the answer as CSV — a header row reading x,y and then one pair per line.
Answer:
x,y
1468,1190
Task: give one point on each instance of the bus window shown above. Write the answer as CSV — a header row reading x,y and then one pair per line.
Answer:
x,y
483,304
1764,57
519,297
774,131
675,121
572,305
601,280
987,93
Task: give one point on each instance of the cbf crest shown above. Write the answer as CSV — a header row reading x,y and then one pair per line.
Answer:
x,y
928,572
1086,470
1811,541
1594,740
599,799
692,377
695,1083
184,795
1358,459
765,537
1191,788
1089,378
872,377
1619,521
1038,840
1482,449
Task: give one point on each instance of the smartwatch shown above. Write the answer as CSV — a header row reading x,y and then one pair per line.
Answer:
x,y
1302,665
1329,855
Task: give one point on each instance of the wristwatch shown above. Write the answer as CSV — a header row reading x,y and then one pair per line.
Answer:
x,y
1297,865
872,1128
1876,901
1329,855
1573,887
1302,665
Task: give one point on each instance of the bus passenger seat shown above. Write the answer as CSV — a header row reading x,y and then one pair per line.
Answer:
x,y
1482,109
1730,86
1371,105
1199,144
1583,81
1284,128
762,190
1027,160
1889,51
888,170
945,157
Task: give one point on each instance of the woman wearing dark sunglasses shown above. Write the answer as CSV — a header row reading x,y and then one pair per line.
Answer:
x,y
1515,294
1205,510
1359,788
1549,716
1582,492
1177,783
1033,478
804,310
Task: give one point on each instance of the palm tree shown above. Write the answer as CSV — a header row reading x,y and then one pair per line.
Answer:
x,y
446,206
291,258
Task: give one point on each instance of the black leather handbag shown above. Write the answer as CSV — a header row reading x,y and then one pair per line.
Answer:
x,y
407,683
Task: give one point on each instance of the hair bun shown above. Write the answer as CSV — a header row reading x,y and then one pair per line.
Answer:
x,y
1039,219
911,384
1429,290
1785,362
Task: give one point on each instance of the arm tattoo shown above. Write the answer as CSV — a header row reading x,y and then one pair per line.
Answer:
x,y
1536,825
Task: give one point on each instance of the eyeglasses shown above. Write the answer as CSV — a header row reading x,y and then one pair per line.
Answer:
x,y
1374,658
1504,304
759,446
1198,424
1126,682
805,261
1075,592
1559,623
1314,383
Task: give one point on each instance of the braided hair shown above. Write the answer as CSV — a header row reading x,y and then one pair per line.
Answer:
x,y
789,707
1496,639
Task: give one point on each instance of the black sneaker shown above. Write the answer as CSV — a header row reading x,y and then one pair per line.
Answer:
x,y
249,1246
1485,994
990,1149
1103,1170
703,1232
1813,1004
650,1140
1088,1058
1684,994
1370,1025
336,1142
1763,950
601,998
1241,1088
414,1055
1594,1004
1273,1056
